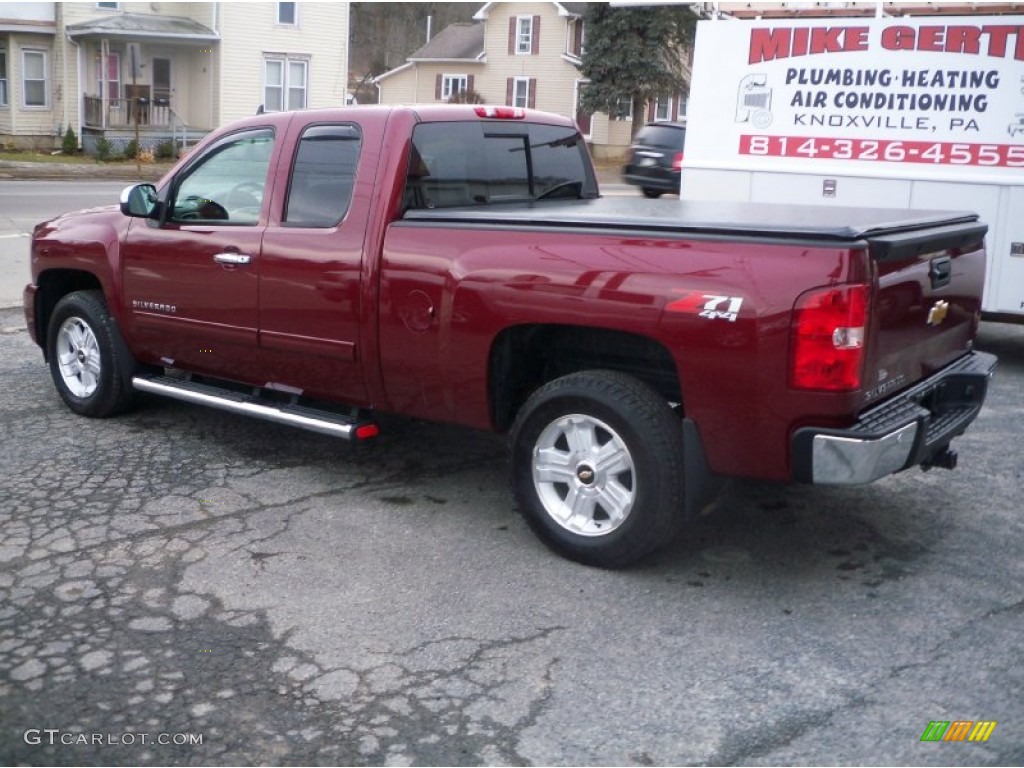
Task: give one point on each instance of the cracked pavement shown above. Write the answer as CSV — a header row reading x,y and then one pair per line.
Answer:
x,y
178,571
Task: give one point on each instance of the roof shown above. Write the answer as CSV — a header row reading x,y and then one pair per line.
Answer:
x,y
456,41
564,9
574,9
143,25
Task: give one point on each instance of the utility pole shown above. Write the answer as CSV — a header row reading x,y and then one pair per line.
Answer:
x,y
132,50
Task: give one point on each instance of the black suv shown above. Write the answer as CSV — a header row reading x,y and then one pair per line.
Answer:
x,y
655,161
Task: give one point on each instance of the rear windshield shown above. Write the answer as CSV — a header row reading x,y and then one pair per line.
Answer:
x,y
661,136
483,162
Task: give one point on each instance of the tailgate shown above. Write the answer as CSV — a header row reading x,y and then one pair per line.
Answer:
x,y
928,302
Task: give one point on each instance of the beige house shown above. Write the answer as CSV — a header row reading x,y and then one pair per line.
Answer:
x,y
177,69
518,54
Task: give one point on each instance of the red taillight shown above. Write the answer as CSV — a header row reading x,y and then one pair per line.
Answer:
x,y
501,113
677,162
828,338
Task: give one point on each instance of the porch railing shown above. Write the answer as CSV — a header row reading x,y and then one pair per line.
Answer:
x,y
102,112
176,123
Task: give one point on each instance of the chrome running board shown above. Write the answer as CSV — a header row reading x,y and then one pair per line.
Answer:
x,y
348,427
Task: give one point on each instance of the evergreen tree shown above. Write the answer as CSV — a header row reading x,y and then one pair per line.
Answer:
x,y
635,55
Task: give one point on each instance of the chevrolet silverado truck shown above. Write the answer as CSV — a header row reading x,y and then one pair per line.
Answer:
x,y
457,264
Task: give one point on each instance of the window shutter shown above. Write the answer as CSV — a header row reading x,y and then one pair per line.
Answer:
x,y
531,100
675,109
510,85
512,36
437,87
535,37
469,82
652,110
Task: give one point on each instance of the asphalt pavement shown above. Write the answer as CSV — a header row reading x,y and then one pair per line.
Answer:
x,y
253,594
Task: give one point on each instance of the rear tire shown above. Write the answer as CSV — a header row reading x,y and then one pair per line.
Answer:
x,y
652,193
89,360
597,468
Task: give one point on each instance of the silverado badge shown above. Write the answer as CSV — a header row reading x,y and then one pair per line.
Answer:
x,y
938,313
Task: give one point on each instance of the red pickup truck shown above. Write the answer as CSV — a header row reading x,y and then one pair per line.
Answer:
x,y
458,264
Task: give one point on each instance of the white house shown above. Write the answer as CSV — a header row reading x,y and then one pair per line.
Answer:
x,y
178,69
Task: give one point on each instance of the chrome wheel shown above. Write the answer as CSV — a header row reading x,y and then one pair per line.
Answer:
x,y
78,357
584,475
89,361
597,467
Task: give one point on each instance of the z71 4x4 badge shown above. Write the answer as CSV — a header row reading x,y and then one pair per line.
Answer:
x,y
708,305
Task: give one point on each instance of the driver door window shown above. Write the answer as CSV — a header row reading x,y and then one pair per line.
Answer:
x,y
227,185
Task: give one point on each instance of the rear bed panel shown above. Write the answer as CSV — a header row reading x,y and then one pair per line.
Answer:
x,y
927,309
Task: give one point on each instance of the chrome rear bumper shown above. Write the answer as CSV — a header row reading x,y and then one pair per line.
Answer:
x,y
912,428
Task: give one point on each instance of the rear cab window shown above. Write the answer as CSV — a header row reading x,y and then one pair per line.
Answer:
x,y
484,162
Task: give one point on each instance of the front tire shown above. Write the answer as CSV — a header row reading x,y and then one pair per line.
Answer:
x,y
89,361
652,193
597,467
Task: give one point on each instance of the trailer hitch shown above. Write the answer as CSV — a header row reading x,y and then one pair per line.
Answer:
x,y
944,459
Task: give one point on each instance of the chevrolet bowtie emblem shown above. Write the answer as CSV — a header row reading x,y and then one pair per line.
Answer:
x,y
938,312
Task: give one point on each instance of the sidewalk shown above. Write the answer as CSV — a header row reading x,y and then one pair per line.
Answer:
x,y
20,170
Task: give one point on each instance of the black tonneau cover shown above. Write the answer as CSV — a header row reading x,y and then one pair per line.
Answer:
x,y
890,232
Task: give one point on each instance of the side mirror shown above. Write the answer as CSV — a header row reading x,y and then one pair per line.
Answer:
x,y
139,200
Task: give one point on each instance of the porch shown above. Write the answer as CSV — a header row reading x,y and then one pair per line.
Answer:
x,y
147,72
137,107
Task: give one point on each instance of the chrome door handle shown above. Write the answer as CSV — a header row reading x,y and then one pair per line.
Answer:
x,y
232,258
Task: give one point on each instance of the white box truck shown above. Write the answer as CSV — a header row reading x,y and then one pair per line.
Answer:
x,y
910,112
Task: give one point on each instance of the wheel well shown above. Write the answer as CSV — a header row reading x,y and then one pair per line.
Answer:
x,y
526,357
54,284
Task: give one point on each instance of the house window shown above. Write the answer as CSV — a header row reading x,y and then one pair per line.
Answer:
x,y
287,13
577,38
520,92
453,84
110,88
524,34
285,84
3,78
296,84
584,119
35,86
663,108
623,109
108,6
